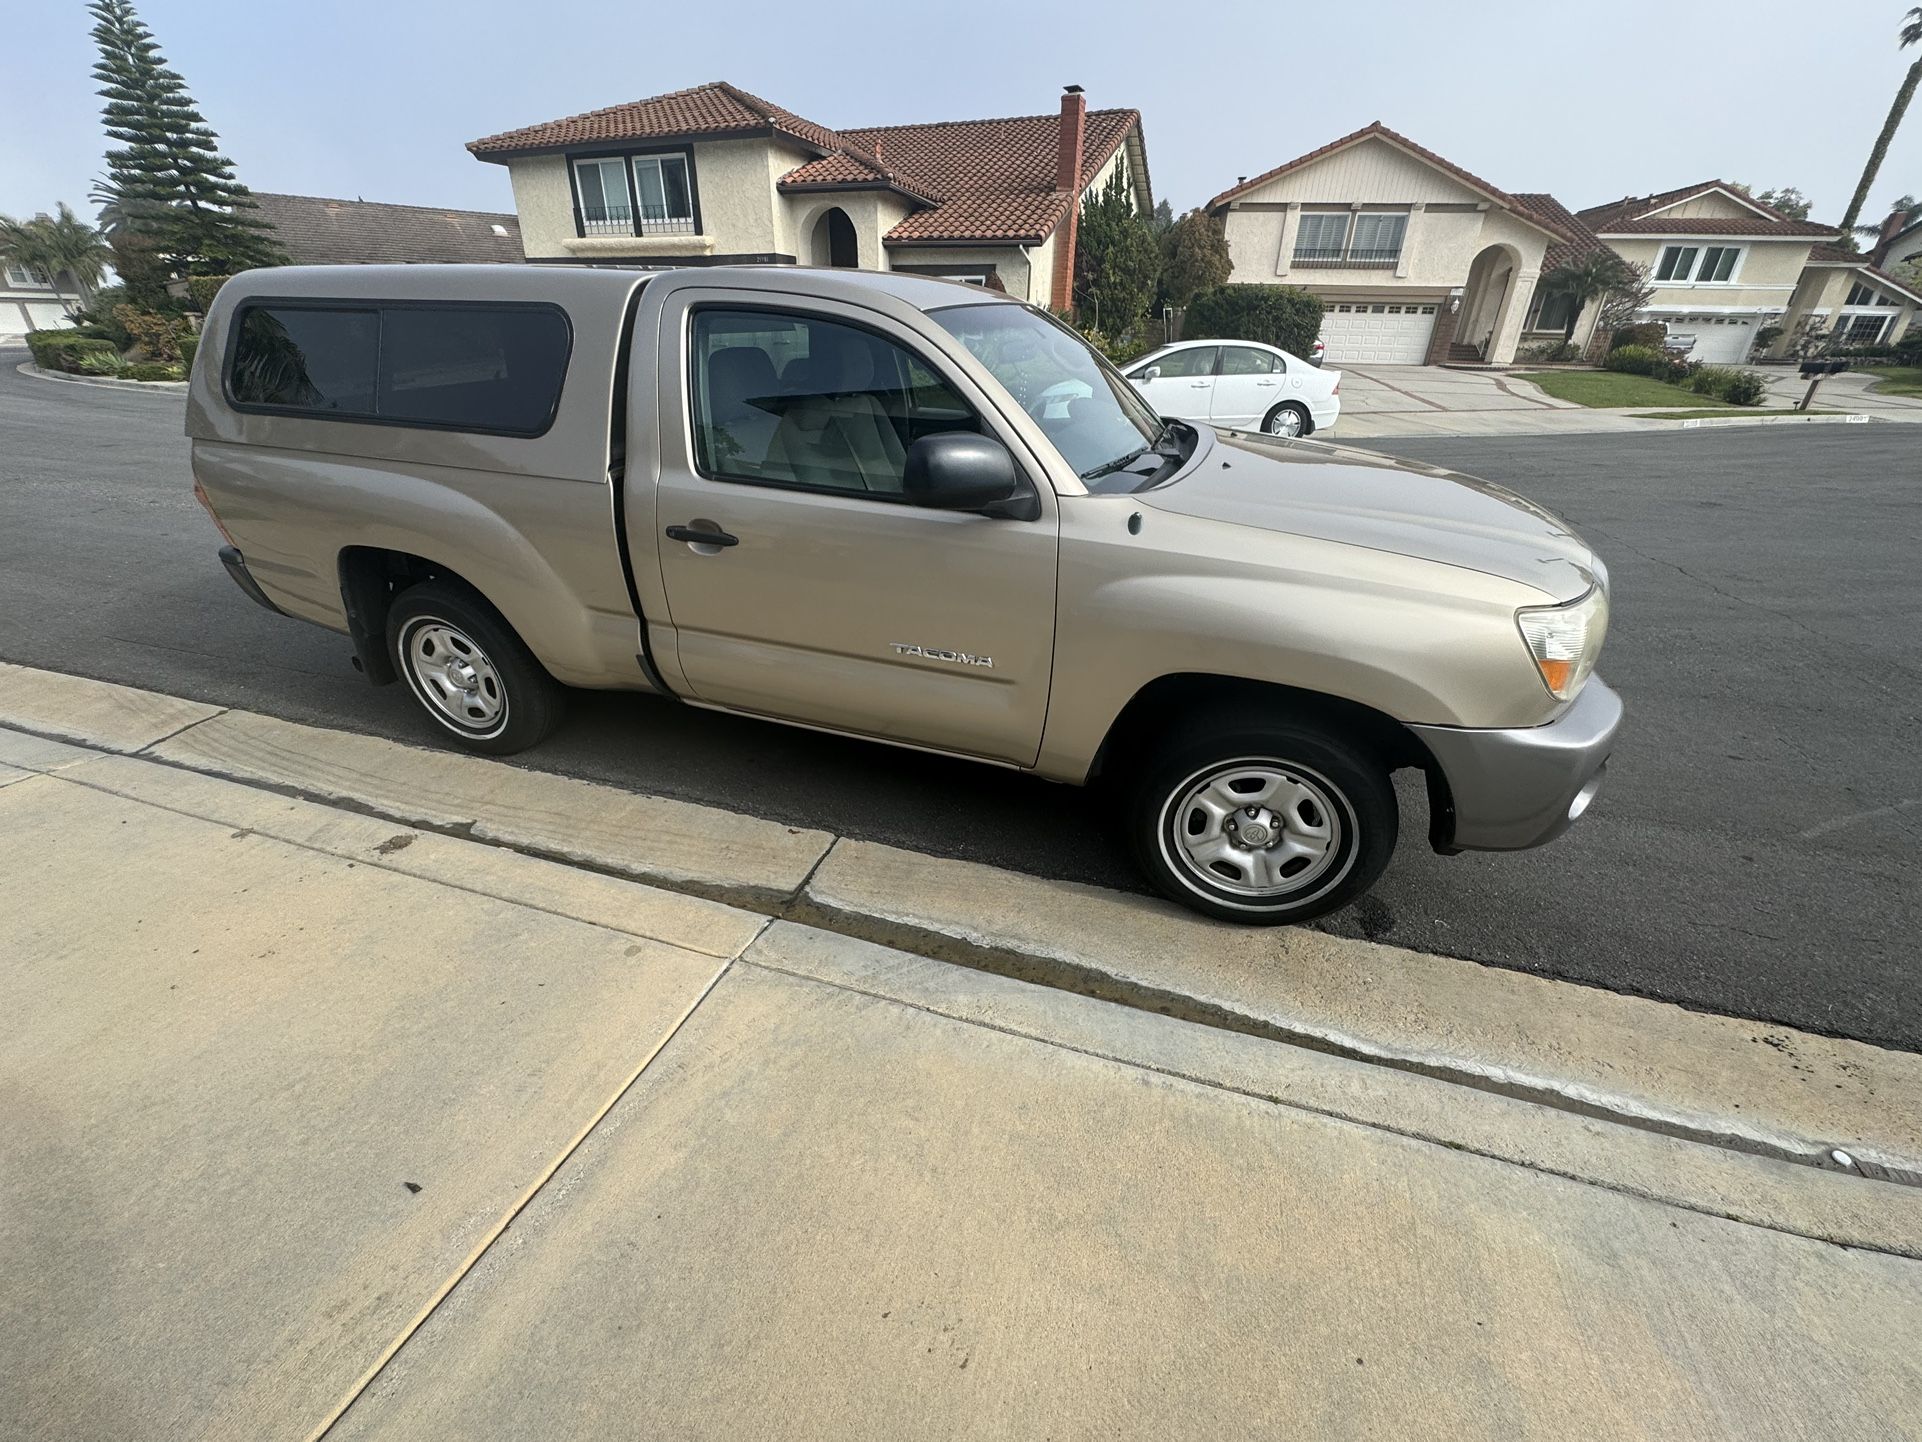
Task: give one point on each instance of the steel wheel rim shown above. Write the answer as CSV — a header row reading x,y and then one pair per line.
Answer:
x,y
1258,830
453,676
1285,422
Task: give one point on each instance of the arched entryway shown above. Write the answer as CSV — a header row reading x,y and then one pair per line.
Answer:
x,y
1487,297
834,242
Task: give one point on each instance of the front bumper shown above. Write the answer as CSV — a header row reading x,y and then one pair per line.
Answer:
x,y
1512,789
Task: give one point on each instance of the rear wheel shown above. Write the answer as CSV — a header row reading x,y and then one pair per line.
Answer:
x,y
470,673
1288,419
1265,822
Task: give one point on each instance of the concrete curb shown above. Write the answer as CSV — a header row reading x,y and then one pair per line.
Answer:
x,y
177,388
1740,1085
1706,422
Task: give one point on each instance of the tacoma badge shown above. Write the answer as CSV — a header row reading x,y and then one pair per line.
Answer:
x,y
936,653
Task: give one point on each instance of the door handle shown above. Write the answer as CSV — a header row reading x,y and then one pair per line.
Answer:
x,y
1200,385
1265,383
702,533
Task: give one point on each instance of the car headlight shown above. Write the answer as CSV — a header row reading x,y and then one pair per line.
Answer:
x,y
1565,640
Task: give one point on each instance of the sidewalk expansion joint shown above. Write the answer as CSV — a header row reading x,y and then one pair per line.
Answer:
x,y
1062,974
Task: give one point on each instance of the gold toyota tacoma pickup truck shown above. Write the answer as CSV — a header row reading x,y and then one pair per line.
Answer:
x,y
908,510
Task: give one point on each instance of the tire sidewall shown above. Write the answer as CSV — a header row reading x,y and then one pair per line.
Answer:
x,y
1307,421
1359,788
532,703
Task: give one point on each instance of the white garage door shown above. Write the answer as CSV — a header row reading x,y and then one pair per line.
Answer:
x,y
1377,332
1714,339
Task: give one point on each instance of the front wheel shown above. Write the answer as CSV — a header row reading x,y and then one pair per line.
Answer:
x,y
470,673
1288,419
1262,822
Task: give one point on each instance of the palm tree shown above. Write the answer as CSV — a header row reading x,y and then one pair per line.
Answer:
x,y
1592,276
1911,35
60,244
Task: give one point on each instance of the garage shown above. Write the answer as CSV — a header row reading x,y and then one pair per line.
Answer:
x,y
1377,332
1713,339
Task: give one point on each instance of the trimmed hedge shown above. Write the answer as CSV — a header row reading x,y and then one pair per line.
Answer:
x,y
61,350
1278,315
201,290
1650,333
152,371
1641,360
188,345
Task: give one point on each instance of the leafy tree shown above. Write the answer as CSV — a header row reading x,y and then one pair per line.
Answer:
x,y
1194,257
1627,298
1911,34
59,244
1117,259
1164,217
168,189
1787,199
1591,277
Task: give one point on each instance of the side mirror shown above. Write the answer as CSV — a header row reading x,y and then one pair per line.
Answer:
x,y
1152,373
961,471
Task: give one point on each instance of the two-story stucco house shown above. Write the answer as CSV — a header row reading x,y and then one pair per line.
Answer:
x,y
30,299
1417,260
1723,265
1846,301
714,175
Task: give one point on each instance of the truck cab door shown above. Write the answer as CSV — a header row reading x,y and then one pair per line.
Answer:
x,y
799,581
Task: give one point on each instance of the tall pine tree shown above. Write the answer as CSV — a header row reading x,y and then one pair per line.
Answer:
x,y
169,193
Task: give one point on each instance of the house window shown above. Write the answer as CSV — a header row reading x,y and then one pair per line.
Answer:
x,y
1677,263
1860,294
1718,263
606,208
1557,309
667,200
1861,329
1322,236
1378,238
28,277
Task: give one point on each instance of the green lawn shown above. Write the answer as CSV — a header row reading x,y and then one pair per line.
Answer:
x,y
1896,380
1611,390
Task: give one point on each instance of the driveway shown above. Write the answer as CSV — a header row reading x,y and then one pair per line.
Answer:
x,y
1380,401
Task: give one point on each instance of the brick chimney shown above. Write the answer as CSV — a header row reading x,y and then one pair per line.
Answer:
x,y
1067,176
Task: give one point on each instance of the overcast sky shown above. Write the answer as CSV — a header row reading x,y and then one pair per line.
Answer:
x,y
376,98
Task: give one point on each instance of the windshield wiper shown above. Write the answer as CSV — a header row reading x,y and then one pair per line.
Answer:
x,y
1109,467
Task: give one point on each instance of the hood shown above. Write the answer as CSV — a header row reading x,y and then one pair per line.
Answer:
x,y
1358,498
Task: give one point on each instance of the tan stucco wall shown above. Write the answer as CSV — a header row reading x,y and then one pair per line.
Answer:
x,y
873,213
544,201
1019,274
1825,289
1767,277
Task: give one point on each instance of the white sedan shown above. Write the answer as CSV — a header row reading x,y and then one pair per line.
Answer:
x,y
1239,383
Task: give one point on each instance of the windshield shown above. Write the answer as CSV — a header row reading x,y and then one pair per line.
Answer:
x,y
1096,419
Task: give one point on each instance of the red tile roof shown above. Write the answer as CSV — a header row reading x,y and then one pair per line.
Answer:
x,y
1582,241
979,180
715,109
1633,215
1836,255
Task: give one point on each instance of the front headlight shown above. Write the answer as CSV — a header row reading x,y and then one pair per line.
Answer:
x,y
1565,640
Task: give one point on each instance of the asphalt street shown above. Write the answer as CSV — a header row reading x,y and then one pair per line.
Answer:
x,y
1757,850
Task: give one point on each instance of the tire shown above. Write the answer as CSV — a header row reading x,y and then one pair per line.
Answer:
x,y
1325,825
469,672
1288,419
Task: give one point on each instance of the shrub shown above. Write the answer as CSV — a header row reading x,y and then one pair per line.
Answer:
x,y
201,290
1278,315
1909,348
60,350
152,371
1549,352
188,345
157,336
1713,380
96,363
99,318
1637,360
1746,389
1649,333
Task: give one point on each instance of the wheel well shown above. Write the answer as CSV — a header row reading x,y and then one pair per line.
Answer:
x,y
1307,428
1158,704
370,578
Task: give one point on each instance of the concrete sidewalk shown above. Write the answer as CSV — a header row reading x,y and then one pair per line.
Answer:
x,y
1378,402
320,1125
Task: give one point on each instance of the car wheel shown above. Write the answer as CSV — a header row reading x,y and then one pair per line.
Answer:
x,y
1288,419
1260,821
470,673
